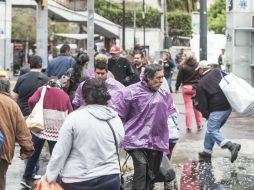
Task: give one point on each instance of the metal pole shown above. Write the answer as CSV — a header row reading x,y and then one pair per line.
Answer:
x,y
123,25
90,32
134,25
162,16
42,34
144,24
203,30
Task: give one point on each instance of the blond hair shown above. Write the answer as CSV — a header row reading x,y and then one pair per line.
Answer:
x,y
187,56
101,58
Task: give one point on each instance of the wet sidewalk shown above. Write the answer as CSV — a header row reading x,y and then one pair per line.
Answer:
x,y
191,174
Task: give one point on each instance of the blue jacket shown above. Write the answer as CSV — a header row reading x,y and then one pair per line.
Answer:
x,y
59,66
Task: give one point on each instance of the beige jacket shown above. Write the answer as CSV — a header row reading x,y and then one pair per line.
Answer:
x,y
13,126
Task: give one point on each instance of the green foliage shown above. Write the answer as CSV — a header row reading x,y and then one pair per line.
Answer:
x,y
179,21
217,17
24,25
113,12
179,24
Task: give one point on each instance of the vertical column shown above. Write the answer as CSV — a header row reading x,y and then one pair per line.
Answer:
x,y
42,34
90,32
6,57
203,30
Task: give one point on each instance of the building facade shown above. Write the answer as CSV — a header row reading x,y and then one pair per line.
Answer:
x,y
240,38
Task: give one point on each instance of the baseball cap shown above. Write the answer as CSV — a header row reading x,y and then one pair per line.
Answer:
x,y
203,65
115,49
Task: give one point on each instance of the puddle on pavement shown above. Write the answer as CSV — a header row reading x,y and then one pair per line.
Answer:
x,y
218,175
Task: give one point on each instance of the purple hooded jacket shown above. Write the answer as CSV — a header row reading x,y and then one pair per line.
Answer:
x,y
144,113
112,86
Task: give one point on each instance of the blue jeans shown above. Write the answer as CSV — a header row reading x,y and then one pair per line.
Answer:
x,y
36,168
213,135
108,182
31,162
169,80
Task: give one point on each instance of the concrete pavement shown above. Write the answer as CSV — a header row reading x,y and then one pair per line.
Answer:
x,y
191,174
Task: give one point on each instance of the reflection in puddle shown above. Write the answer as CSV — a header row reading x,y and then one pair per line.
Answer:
x,y
218,175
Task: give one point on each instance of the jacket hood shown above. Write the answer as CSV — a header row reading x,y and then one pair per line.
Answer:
x,y
101,112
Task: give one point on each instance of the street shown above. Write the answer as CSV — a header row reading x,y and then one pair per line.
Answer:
x,y
191,174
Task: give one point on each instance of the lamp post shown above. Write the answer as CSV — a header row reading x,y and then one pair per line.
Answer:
x,y
203,30
123,25
144,23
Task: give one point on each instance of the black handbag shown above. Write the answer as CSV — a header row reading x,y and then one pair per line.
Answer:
x,y
166,172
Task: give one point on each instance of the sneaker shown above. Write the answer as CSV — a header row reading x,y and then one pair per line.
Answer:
x,y
36,176
27,183
188,130
205,156
234,151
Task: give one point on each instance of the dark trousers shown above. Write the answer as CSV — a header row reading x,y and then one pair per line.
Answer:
x,y
146,167
3,169
108,182
31,162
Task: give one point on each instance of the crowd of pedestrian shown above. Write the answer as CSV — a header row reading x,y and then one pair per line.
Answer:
x,y
124,102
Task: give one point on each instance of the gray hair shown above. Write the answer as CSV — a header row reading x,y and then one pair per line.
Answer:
x,y
150,71
4,85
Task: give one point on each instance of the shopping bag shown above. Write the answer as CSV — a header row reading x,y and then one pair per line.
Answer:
x,y
44,185
173,129
239,94
166,172
35,121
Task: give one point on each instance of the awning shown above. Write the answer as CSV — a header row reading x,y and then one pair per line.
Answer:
x,y
245,29
75,36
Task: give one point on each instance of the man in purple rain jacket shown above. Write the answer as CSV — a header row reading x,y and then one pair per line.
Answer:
x,y
100,72
144,108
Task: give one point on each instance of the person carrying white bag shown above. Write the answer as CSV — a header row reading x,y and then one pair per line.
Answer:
x,y
239,93
214,106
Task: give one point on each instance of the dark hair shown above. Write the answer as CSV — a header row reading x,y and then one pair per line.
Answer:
x,y
65,48
95,92
78,67
139,52
35,62
101,65
150,71
4,85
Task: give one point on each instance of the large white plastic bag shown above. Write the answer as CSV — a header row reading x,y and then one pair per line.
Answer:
x,y
239,93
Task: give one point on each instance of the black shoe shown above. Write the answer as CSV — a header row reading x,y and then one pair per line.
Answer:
x,y
234,148
188,130
204,156
234,151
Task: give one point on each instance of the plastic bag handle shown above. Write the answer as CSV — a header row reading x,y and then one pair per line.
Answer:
x,y
222,77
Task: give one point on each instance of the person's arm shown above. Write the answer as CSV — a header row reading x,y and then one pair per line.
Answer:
x,y
77,101
202,101
121,104
179,79
61,151
34,98
23,136
15,92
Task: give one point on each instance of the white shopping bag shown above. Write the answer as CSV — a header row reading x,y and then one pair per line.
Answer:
x,y
239,93
173,129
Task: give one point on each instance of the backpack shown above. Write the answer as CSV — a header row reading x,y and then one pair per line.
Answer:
x,y
1,142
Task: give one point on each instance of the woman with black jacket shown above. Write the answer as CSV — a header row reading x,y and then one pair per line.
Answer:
x,y
187,76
